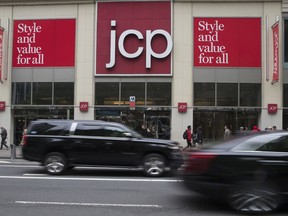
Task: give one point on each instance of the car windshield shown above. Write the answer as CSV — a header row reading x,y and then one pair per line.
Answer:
x,y
255,143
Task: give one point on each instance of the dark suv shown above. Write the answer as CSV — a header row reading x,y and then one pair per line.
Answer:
x,y
62,144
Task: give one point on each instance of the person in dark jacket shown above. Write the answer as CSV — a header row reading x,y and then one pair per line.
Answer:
x,y
199,137
3,137
189,137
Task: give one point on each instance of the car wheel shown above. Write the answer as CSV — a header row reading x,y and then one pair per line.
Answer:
x,y
154,165
254,197
55,163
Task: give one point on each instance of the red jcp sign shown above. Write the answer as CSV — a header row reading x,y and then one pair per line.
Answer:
x,y
134,38
2,105
272,108
182,107
83,106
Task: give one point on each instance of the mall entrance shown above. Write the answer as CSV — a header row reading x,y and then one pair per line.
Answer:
x,y
212,122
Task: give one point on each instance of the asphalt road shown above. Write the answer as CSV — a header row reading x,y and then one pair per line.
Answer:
x,y
27,191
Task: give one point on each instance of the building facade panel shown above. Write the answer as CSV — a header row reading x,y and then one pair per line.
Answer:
x,y
237,95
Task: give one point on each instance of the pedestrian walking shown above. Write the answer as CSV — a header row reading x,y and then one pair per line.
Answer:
x,y
199,137
255,129
3,138
227,133
188,136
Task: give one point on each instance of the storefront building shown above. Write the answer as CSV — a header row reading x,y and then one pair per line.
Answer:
x,y
161,65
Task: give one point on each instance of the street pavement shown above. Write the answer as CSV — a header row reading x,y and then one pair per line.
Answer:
x,y
6,154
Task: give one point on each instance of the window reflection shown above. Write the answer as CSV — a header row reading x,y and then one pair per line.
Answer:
x,y
250,94
21,93
42,93
133,89
159,94
227,94
107,93
63,93
204,94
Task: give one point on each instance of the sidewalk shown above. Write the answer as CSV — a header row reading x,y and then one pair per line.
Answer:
x,y
6,154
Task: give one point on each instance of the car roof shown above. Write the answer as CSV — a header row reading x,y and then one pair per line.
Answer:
x,y
78,121
231,143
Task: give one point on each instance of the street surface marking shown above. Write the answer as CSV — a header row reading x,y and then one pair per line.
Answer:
x,y
18,166
89,179
87,204
35,174
5,162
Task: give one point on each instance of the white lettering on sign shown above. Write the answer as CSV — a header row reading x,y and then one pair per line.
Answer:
x,y
210,34
27,43
149,51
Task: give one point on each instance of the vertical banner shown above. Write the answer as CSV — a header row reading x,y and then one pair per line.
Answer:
x,y
1,52
275,30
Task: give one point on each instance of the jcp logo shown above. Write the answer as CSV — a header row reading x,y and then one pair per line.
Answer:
x,y
149,50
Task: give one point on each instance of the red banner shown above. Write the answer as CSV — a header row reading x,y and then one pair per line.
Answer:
x,y
227,42
1,53
275,29
134,38
44,43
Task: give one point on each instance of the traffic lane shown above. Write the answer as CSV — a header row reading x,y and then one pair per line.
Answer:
x,y
34,169
88,196
171,195
117,198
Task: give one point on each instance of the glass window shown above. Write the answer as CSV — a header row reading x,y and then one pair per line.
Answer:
x,y
111,131
227,94
259,143
133,89
42,93
21,93
49,128
63,93
89,130
285,95
204,94
159,94
250,94
107,93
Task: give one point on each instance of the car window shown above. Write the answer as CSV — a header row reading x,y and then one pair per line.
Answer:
x,y
49,128
83,129
257,143
112,131
279,145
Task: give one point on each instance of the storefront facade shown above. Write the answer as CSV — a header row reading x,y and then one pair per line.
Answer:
x,y
158,64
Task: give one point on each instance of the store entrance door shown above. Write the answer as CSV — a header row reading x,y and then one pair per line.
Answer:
x,y
212,122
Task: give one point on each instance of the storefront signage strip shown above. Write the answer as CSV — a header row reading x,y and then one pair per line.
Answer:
x,y
1,52
275,30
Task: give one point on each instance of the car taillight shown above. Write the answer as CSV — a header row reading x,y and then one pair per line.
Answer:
x,y
199,162
24,140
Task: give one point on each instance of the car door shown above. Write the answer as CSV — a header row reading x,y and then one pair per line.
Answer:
x,y
275,159
120,147
90,144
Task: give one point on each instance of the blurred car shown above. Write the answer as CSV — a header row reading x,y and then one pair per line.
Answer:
x,y
250,172
62,144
